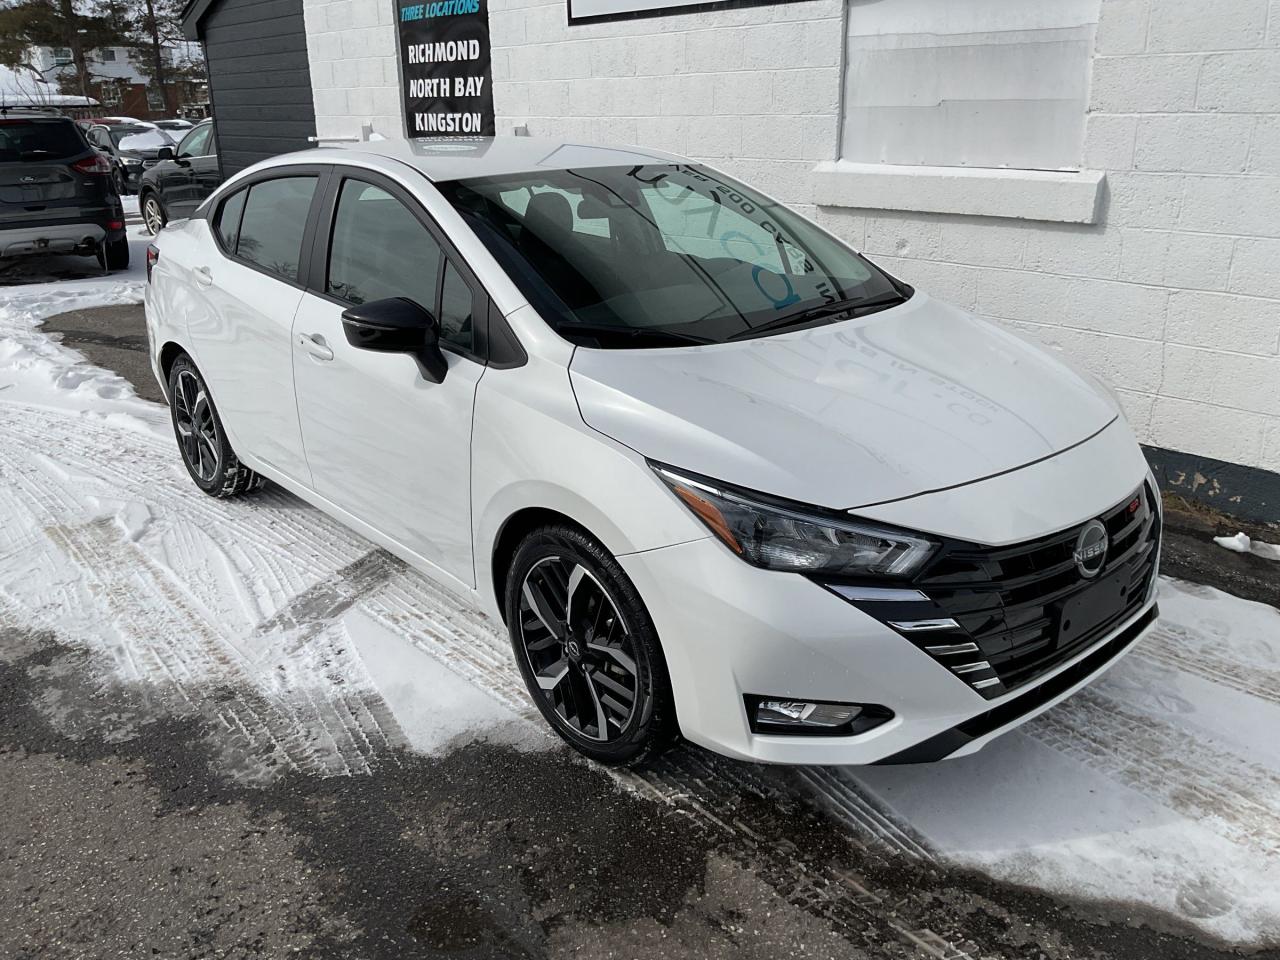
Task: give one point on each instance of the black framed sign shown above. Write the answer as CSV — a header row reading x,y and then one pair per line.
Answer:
x,y
594,11
446,75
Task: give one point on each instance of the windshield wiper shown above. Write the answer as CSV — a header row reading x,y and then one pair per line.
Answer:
x,y
647,334
851,307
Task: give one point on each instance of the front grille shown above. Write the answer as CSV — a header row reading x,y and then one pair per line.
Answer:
x,y
1000,617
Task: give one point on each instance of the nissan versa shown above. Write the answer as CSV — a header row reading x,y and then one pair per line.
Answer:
x,y
719,475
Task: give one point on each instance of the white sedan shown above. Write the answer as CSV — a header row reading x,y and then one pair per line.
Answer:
x,y
720,475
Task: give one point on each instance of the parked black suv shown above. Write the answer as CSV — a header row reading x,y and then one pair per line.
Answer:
x,y
132,148
57,193
179,183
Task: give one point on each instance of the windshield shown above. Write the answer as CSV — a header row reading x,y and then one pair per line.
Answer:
x,y
41,139
139,138
665,254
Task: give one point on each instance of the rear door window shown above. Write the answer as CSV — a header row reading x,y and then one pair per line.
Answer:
x,y
34,140
274,220
228,220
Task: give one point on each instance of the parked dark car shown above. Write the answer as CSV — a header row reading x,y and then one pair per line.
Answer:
x,y
179,183
57,193
132,149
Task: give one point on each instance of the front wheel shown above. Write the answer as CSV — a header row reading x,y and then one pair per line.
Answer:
x,y
153,215
587,648
206,452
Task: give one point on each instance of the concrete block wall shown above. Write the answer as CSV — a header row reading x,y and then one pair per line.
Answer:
x,y
1173,296
355,75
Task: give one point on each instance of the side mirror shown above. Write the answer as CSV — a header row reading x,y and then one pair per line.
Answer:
x,y
398,325
164,153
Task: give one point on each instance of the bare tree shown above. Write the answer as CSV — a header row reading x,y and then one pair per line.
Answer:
x,y
152,29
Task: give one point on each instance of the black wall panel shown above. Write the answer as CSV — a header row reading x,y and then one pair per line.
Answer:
x,y
259,79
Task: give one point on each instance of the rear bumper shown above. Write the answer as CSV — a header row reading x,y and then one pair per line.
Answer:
x,y
60,236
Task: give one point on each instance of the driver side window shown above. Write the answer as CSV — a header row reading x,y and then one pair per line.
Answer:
x,y
195,143
380,249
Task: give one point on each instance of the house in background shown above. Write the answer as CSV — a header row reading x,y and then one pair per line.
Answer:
x,y
120,87
1103,175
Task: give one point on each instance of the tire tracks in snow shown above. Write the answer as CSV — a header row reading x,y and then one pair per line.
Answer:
x,y
1174,767
306,572
158,631
183,647
1185,649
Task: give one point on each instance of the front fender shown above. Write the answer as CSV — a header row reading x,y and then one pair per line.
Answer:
x,y
531,449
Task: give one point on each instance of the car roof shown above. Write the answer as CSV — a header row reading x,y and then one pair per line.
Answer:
x,y
446,158
17,113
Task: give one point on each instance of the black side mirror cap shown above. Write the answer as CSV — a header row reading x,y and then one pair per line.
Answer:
x,y
165,153
398,325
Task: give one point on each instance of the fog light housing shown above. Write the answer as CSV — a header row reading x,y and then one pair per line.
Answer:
x,y
813,718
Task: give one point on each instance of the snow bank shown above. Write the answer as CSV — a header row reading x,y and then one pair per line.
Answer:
x,y
1241,543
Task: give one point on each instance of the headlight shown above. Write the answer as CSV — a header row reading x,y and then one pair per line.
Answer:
x,y
778,537
132,162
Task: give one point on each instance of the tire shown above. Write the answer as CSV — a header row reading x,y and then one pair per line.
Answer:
x,y
202,441
580,678
114,254
153,214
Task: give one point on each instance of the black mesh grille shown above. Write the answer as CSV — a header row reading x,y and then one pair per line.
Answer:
x,y
1021,610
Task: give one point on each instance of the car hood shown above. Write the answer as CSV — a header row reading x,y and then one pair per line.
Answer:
x,y
910,400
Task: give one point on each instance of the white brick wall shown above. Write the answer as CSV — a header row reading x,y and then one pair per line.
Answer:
x,y
1174,295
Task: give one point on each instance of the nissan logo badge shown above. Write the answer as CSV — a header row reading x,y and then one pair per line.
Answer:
x,y
1091,549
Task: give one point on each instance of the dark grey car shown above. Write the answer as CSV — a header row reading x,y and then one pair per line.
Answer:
x,y
57,193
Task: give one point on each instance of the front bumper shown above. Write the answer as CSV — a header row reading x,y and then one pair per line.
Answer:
x,y
731,630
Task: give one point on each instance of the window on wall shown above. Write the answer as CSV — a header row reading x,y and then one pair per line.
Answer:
x,y
108,54
967,83
61,56
155,98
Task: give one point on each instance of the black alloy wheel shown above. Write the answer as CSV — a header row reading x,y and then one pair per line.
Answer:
x,y
207,454
197,431
587,648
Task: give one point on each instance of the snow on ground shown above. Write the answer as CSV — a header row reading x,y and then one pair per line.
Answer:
x,y
1158,784
1242,543
106,542
313,651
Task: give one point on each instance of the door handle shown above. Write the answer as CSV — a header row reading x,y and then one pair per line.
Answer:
x,y
204,276
315,345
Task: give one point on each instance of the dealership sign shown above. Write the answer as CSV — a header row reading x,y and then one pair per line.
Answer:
x,y
445,73
585,11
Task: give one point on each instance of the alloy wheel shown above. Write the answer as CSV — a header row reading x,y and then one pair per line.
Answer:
x,y
579,649
153,216
197,429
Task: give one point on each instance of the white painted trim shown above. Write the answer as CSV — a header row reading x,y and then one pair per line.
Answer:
x,y
1060,196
